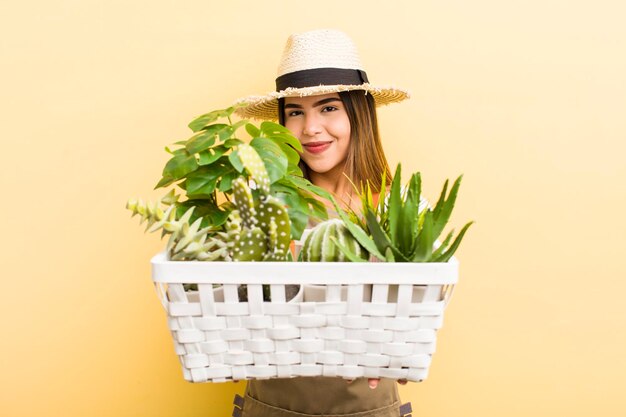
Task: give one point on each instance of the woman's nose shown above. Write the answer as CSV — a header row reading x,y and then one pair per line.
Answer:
x,y
312,126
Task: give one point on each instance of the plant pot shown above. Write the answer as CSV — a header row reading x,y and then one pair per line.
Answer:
x,y
317,293
293,293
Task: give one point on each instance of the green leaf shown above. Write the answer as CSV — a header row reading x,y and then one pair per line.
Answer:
x,y
180,165
443,246
414,191
305,184
395,206
235,161
397,255
298,222
230,110
253,130
291,198
204,180
200,142
443,208
294,170
369,198
203,139
308,191
238,124
272,128
201,187
299,200
274,159
226,182
358,233
378,234
225,133
202,121
319,209
382,195
288,139
409,217
164,182
211,214
425,240
445,257
292,156
211,155
230,143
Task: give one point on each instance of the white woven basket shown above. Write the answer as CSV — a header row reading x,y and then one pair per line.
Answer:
x,y
375,320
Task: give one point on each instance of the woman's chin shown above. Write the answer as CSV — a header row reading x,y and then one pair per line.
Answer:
x,y
320,168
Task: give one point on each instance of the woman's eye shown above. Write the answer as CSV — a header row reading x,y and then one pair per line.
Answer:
x,y
329,108
294,113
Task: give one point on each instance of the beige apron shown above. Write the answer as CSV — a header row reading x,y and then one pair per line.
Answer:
x,y
320,396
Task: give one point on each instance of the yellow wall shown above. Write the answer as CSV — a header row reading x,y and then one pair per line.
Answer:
x,y
527,99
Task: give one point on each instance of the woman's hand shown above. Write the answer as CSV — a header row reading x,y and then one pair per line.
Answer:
x,y
373,382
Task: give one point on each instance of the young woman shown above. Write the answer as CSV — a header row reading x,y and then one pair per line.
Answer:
x,y
324,98
339,135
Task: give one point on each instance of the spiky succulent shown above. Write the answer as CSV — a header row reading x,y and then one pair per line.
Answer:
x,y
187,241
407,234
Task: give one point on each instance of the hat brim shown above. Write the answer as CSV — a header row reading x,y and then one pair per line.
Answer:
x,y
266,107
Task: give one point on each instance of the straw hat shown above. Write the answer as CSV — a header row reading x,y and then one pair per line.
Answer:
x,y
317,62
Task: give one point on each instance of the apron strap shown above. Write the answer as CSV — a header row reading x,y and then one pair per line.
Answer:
x,y
237,409
405,410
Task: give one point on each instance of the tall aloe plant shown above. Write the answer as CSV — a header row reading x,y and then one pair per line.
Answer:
x,y
395,230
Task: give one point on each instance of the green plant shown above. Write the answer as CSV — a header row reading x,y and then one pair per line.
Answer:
x,y
395,230
257,228
206,165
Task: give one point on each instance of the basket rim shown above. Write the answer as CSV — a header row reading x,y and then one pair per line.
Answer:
x,y
220,272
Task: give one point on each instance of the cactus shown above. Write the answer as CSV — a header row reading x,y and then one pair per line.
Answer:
x,y
266,231
265,234
255,167
321,245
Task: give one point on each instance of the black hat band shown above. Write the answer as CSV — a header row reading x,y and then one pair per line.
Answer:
x,y
321,76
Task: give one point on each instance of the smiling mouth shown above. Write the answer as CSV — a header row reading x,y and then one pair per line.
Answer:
x,y
317,147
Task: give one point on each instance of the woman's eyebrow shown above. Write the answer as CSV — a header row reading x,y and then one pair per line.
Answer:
x,y
316,104
325,101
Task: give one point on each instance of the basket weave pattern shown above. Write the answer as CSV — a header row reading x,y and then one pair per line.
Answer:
x,y
372,320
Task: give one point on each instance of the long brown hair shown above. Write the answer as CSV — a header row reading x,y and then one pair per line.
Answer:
x,y
366,159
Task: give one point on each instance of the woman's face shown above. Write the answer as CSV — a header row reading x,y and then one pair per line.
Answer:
x,y
322,126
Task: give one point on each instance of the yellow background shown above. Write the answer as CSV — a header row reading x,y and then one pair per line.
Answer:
x,y
526,99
